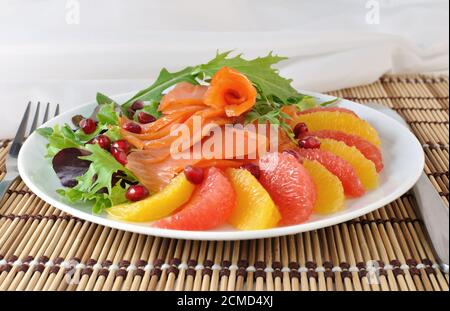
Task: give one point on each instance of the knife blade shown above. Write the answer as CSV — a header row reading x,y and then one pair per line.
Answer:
x,y
433,211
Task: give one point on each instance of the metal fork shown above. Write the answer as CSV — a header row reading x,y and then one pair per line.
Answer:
x,y
12,171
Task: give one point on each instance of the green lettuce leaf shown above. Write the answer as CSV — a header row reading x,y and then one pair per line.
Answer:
x,y
165,80
102,99
59,137
103,166
107,114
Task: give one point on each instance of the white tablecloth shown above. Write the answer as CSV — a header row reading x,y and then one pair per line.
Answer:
x,y
66,51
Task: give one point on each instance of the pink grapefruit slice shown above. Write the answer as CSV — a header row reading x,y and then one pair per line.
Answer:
x,y
210,206
289,185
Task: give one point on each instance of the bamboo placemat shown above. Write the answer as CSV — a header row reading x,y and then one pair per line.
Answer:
x,y
42,248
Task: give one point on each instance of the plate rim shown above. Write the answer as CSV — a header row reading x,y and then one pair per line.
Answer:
x,y
222,235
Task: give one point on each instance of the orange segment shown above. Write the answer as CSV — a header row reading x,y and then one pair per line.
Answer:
x,y
294,112
340,121
158,205
330,192
364,168
255,209
329,109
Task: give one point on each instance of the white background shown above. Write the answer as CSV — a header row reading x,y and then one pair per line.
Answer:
x,y
65,51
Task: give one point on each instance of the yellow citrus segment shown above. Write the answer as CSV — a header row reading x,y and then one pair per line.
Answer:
x,y
255,209
364,168
330,192
340,121
159,205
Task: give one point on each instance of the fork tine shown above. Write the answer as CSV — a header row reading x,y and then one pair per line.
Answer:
x,y
20,135
46,113
36,118
57,110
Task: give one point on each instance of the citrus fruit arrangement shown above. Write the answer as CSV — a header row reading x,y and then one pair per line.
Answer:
x,y
164,157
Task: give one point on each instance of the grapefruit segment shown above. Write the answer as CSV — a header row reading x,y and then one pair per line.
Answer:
x,y
353,186
329,189
365,169
289,185
369,150
254,210
211,205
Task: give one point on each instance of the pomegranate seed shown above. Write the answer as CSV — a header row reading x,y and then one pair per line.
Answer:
x,y
119,155
132,127
88,126
145,118
300,129
103,141
136,193
137,105
252,168
131,113
121,144
309,142
292,152
194,174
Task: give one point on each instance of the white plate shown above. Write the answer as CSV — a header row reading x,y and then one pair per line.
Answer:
x,y
403,163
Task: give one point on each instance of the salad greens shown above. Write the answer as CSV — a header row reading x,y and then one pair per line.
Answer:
x,y
106,181
96,185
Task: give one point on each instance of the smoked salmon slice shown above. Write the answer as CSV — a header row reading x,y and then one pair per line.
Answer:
x,y
177,116
155,175
184,94
232,91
